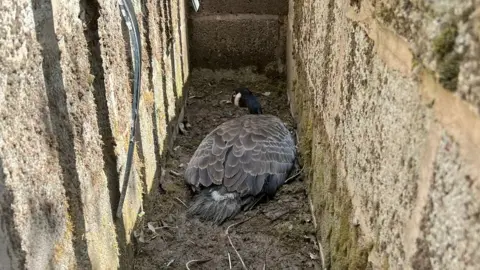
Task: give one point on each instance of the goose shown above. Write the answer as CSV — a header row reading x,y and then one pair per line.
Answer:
x,y
239,162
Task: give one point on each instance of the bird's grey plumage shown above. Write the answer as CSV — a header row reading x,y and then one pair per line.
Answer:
x,y
245,157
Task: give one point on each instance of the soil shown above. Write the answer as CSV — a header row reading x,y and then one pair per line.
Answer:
x,y
278,234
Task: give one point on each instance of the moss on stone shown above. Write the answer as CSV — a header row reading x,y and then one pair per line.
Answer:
x,y
298,15
346,251
448,71
304,105
148,99
395,15
331,200
445,41
416,61
385,14
448,61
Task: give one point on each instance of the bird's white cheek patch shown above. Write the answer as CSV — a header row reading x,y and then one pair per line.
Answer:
x,y
237,99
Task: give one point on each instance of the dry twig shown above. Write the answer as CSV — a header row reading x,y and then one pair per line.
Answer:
x,y
229,260
174,173
281,215
178,199
195,261
231,243
320,247
321,255
170,262
293,176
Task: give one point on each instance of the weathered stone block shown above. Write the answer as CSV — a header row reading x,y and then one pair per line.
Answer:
x,y
232,41
65,121
34,211
390,141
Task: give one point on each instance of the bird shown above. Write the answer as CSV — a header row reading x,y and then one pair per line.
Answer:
x,y
240,162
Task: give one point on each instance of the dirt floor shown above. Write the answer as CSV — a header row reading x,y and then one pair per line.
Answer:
x,y
277,234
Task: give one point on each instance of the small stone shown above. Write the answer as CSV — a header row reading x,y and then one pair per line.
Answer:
x,y
313,256
151,226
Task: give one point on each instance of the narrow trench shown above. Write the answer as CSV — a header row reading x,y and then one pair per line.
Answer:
x,y
279,234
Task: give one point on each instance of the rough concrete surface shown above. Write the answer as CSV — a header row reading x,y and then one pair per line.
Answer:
x,y
272,7
221,41
34,203
66,97
386,95
387,105
233,34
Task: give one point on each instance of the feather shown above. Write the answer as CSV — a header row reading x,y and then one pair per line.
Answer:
x,y
203,177
248,155
231,171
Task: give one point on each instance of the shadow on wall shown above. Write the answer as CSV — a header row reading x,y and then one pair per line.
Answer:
x,y
11,254
163,10
62,129
59,121
166,32
92,13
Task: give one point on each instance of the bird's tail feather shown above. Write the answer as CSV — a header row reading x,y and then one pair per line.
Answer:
x,y
215,204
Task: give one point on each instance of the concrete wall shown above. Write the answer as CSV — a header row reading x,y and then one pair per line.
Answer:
x,y
236,33
65,105
387,96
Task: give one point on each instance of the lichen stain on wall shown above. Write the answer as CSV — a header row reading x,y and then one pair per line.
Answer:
x,y
376,95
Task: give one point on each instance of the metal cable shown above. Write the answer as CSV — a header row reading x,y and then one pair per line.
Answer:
x,y
128,14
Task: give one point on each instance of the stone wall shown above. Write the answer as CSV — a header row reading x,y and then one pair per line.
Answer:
x,y
65,108
237,33
387,97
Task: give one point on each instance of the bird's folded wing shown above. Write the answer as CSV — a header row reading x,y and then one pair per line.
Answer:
x,y
242,154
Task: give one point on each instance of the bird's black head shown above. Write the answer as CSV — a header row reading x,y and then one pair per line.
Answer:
x,y
243,97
